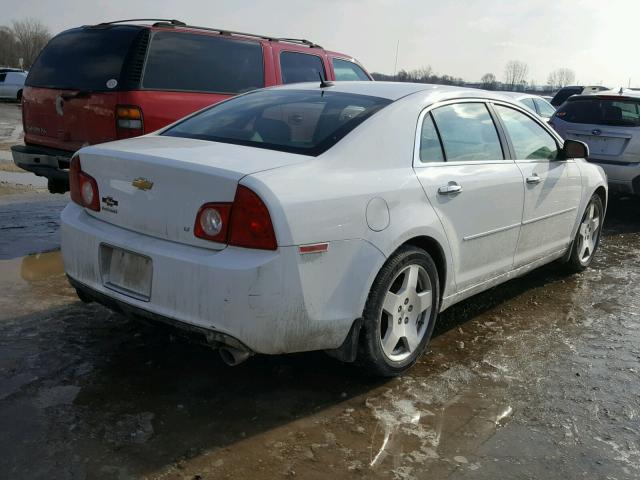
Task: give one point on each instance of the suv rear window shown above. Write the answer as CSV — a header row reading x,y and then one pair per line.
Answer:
x,y
202,63
601,111
84,59
296,121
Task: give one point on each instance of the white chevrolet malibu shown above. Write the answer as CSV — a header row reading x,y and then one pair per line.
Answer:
x,y
340,217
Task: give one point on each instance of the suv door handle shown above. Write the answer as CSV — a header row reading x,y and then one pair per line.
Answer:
x,y
534,179
452,189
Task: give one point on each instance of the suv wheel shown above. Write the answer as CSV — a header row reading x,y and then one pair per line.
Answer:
x,y
587,238
400,313
19,96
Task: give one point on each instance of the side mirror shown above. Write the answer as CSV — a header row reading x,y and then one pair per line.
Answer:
x,y
574,149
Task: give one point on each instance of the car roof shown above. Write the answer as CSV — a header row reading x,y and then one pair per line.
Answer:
x,y
396,90
622,93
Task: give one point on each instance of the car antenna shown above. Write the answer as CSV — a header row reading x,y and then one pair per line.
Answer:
x,y
323,82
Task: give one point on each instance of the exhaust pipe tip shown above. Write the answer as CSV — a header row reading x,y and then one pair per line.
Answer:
x,y
233,356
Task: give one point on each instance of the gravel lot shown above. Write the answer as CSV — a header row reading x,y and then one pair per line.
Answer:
x,y
537,378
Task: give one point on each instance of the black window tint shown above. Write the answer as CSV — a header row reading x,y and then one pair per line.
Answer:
x,y
530,141
202,63
346,70
88,58
544,108
601,111
300,67
296,121
430,147
467,132
528,102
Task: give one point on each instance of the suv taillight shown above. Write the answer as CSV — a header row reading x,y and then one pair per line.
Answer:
x,y
129,121
84,188
244,223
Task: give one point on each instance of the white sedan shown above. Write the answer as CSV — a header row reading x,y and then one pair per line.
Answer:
x,y
340,217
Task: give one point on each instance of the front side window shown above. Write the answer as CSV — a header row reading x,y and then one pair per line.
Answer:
x,y
430,147
528,102
203,63
467,132
601,111
306,122
301,67
530,141
348,71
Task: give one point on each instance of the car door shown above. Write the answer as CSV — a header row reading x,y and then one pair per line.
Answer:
x,y
476,192
552,187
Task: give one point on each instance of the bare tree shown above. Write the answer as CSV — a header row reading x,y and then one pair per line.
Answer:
x,y
515,74
31,36
561,78
8,50
488,81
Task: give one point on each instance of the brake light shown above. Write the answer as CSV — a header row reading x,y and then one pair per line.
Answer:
x,y
129,122
84,188
244,223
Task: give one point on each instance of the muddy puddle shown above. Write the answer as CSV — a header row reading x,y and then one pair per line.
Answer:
x,y
538,378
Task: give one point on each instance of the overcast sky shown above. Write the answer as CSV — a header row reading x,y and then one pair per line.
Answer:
x,y
597,39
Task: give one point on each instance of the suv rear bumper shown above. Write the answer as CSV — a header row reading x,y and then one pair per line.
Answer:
x,y
44,162
623,177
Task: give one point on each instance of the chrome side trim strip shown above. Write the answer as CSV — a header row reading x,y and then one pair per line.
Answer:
x,y
490,232
544,217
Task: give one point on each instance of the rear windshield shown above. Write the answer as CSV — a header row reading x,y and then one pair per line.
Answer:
x,y
84,59
601,111
297,121
202,63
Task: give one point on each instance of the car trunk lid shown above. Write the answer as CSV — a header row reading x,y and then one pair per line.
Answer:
x,y
155,185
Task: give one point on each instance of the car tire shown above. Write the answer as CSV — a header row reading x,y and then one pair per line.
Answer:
x,y
19,96
587,237
404,299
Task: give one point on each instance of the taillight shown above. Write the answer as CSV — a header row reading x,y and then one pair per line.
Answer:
x,y
84,188
244,223
129,121
212,222
250,224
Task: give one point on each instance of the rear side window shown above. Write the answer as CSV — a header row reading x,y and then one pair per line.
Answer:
x,y
430,147
530,141
90,58
601,111
468,132
346,70
544,108
307,122
202,63
301,67
528,102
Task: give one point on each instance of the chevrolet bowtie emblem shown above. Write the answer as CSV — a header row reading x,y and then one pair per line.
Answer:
x,y
142,183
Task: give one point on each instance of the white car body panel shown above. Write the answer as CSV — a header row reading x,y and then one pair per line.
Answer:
x,y
12,84
365,197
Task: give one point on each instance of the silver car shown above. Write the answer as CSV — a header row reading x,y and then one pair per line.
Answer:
x,y
535,103
12,84
609,123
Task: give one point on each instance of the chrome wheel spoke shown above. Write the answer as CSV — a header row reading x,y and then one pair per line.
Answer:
x,y
410,281
424,301
595,223
411,337
390,339
391,303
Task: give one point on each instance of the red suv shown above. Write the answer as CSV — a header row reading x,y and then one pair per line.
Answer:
x,y
122,79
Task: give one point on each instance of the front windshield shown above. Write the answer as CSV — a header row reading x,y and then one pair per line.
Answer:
x,y
307,122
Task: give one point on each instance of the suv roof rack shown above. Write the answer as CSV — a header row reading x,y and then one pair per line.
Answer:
x,y
164,22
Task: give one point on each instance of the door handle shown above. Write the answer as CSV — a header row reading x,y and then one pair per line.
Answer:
x,y
534,179
452,189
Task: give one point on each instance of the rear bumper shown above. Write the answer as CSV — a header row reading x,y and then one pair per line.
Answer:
x,y
623,177
271,302
44,162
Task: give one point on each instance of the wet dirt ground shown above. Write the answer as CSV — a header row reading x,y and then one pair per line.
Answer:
x,y
538,378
